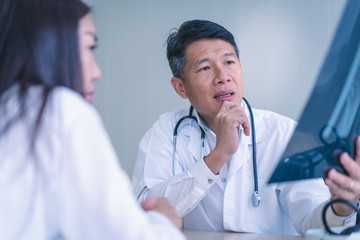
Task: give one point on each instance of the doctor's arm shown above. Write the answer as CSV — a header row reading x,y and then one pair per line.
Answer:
x,y
305,200
227,122
153,172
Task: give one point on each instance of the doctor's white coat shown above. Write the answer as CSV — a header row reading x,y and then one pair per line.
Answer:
x,y
223,202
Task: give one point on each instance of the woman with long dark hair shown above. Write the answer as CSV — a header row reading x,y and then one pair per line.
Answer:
x,y
59,174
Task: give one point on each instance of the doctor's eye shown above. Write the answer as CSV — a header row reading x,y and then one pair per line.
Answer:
x,y
204,68
229,62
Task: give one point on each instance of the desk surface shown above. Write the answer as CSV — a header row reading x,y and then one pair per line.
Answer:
x,y
212,235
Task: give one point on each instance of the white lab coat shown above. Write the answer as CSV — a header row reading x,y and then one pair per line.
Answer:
x,y
223,202
72,187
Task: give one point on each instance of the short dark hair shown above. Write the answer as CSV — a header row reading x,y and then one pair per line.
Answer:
x,y
189,32
39,46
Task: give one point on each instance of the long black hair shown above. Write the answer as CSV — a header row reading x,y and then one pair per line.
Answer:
x,y
39,46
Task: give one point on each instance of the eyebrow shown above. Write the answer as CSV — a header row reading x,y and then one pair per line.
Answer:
x,y
197,63
228,54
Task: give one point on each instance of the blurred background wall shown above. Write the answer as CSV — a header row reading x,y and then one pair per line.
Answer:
x,y
282,45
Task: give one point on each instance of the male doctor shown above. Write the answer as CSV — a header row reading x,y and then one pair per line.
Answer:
x,y
215,192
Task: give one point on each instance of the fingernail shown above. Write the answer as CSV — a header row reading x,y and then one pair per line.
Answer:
x,y
328,181
346,157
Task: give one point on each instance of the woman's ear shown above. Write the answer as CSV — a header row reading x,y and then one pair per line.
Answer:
x,y
178,85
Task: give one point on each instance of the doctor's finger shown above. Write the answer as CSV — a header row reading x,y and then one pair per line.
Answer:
x,y
242,119
246,126
352,167
232,114
238,116
357,150
339,192
226,105
341,183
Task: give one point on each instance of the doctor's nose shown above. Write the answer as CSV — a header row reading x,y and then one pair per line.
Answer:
x,y
221,77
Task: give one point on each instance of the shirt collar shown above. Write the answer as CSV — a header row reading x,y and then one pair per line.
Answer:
x,y
201,122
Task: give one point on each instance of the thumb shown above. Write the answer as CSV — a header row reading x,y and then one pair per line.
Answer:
x,y
149,203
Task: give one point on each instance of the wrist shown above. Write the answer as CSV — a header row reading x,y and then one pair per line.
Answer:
x,y
215,160
340,210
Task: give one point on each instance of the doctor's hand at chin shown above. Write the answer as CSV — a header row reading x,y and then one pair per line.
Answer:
x,y
226,123
346,186
162,205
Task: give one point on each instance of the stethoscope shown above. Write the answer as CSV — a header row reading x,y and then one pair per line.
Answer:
x,y
255,198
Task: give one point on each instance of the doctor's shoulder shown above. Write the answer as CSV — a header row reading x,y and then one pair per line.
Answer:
x,y
167,121
274,123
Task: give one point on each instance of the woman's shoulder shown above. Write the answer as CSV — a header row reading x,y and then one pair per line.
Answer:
x,y
69,106
68,96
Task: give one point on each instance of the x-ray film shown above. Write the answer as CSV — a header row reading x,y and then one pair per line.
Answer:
x,y
331,118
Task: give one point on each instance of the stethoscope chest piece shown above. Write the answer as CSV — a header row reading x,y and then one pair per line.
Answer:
x,y
255,199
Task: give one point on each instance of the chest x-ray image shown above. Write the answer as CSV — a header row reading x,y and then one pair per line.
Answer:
x,y
331,118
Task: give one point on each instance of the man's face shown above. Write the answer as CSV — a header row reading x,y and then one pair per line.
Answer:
x,y
212,74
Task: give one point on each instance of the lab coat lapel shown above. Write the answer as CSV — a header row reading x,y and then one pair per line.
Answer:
x,y
242,154
240,157
194,144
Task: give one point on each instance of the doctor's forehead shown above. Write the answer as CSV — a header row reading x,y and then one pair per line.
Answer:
x,y
203,50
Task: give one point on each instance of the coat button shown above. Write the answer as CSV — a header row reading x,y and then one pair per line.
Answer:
x,y
210,181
